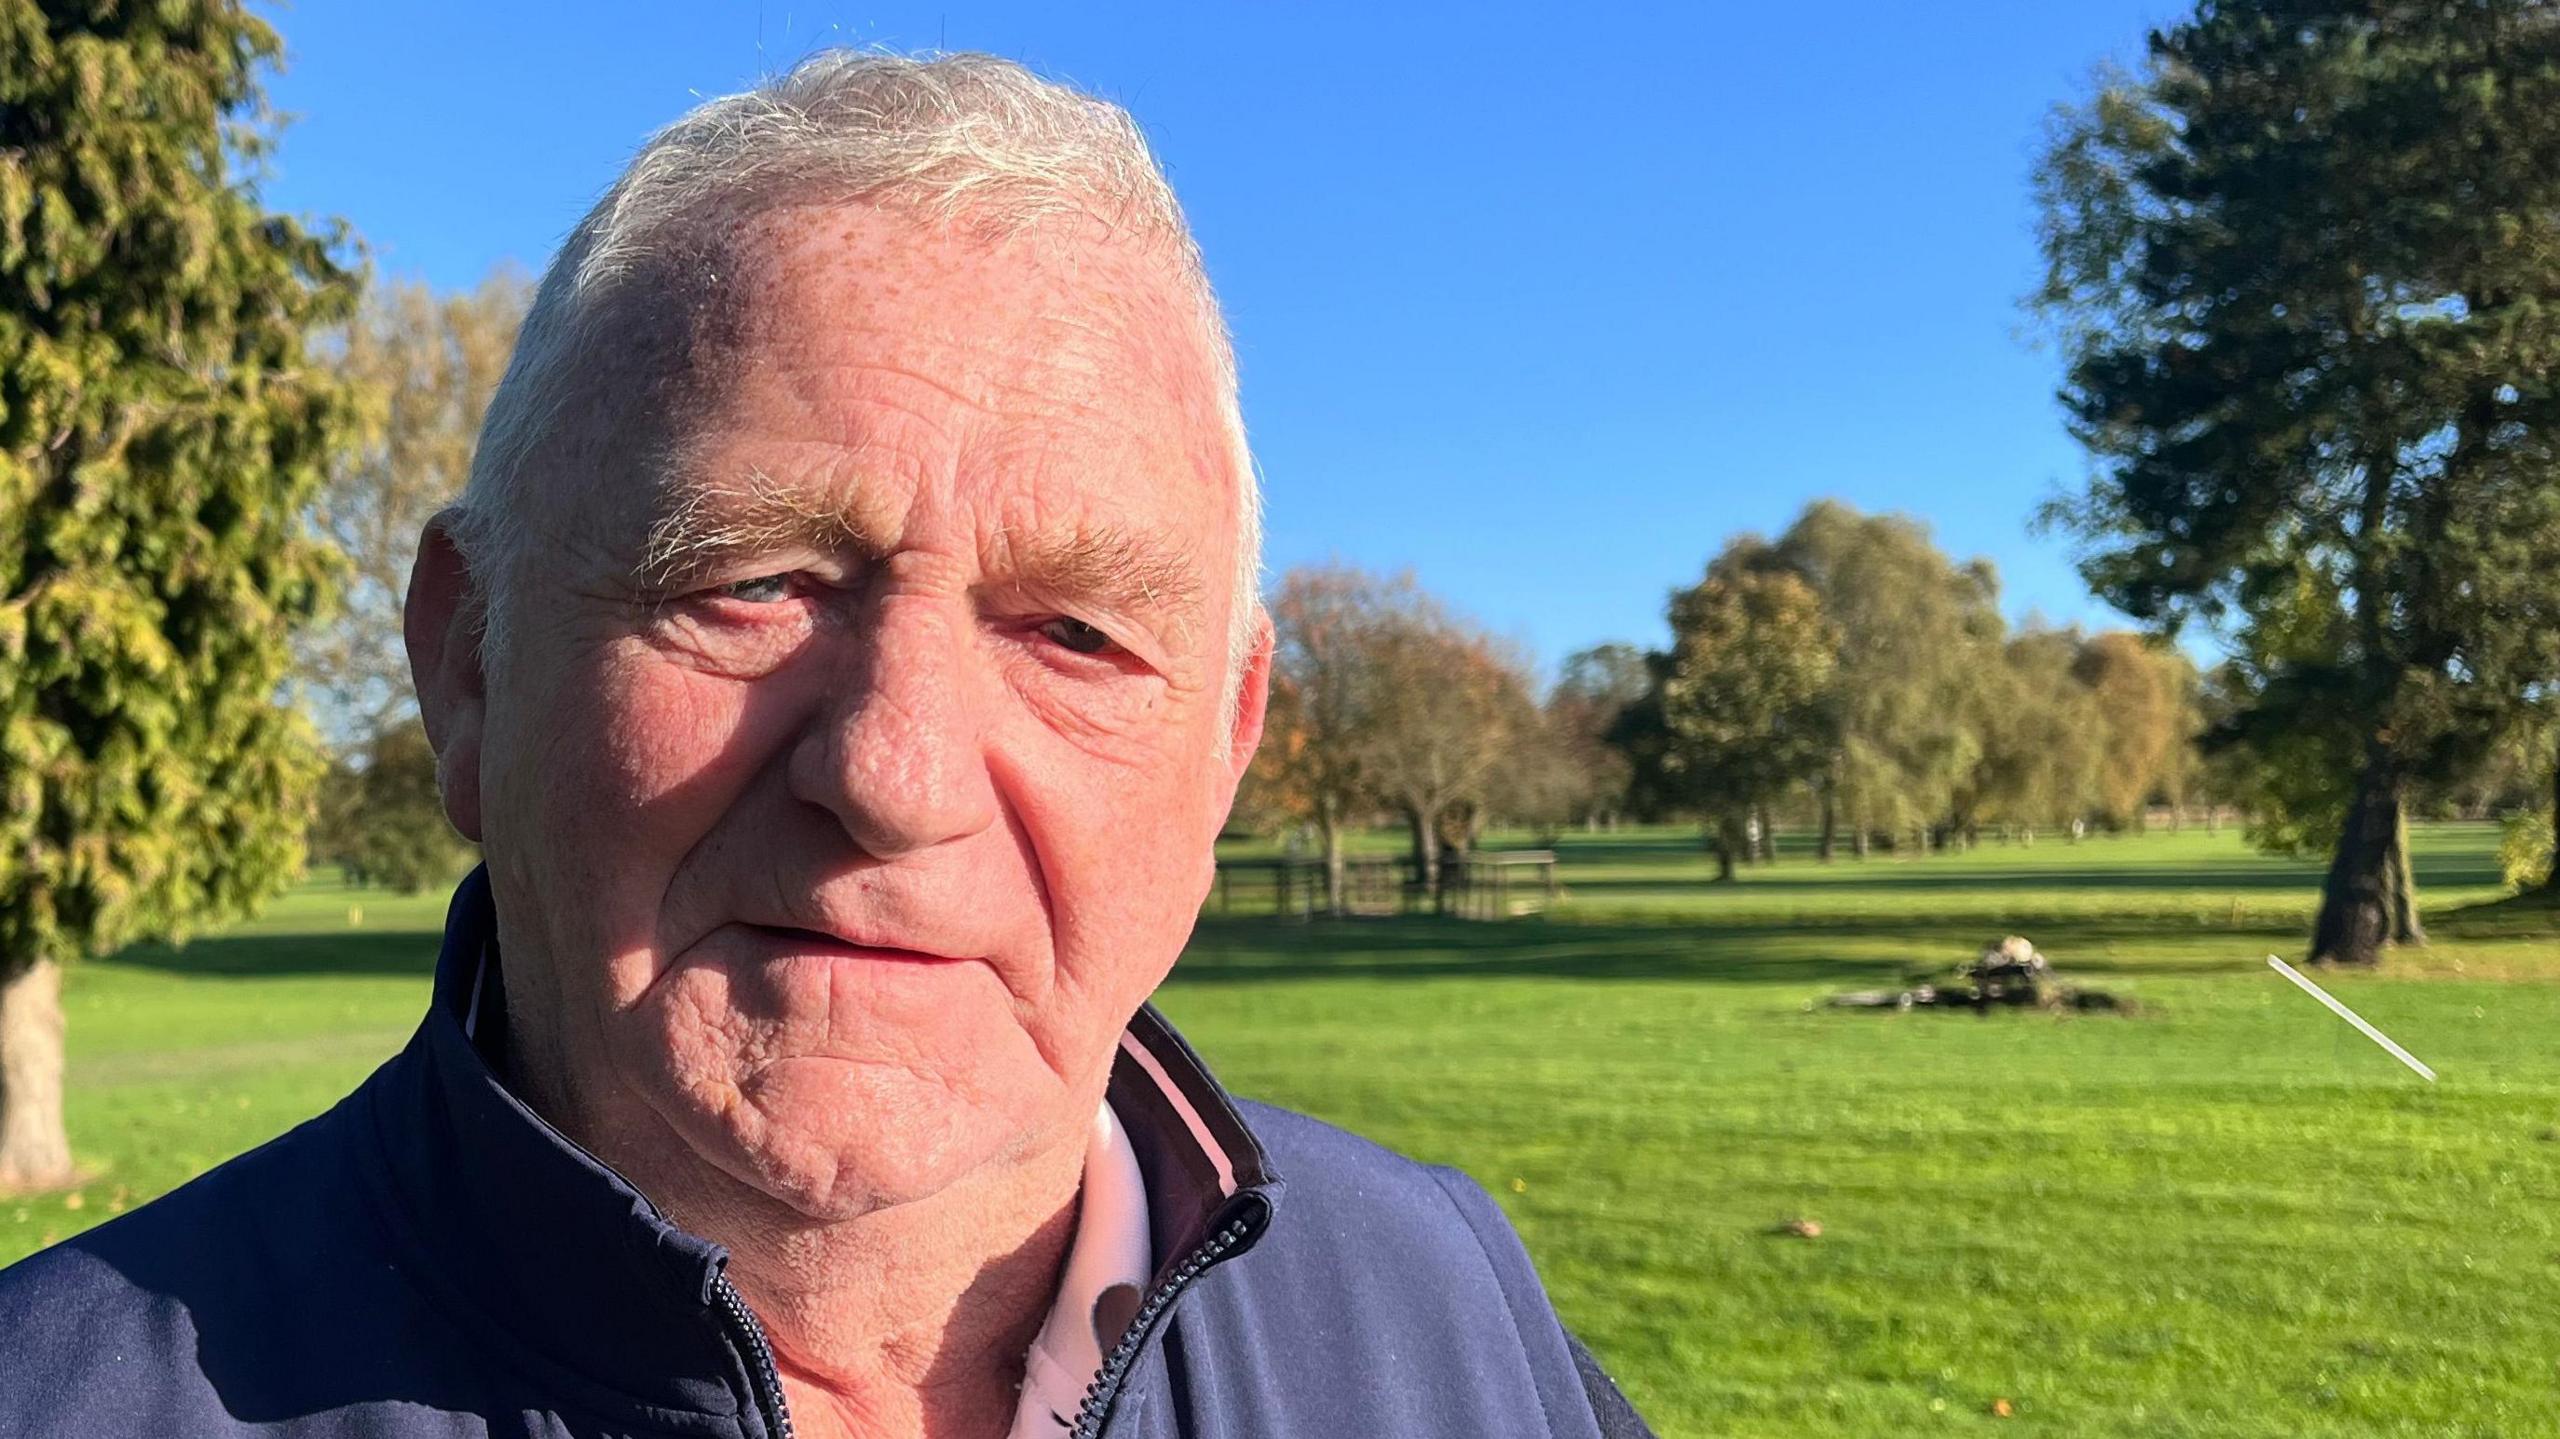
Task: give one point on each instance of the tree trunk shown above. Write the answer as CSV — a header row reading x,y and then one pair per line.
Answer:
x,y
35,1152
1860,842
1426,854
1332,822
2551,883
1725,837
1458,830
1829,845
2358,908
1457,827
2405,928
1768,837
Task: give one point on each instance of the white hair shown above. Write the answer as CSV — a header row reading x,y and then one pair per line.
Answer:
x,y
951,139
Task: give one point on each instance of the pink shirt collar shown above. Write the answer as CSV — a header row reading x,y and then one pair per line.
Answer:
x,y
1106,1275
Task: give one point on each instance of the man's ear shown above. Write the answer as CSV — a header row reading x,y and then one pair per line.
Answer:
x,y
442,623
1253,697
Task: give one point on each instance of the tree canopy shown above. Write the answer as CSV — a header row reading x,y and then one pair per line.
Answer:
x,y
424,365
1915,630
162,431
1747,701
2304,274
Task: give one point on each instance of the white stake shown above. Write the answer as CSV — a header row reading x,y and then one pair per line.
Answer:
x,y
2351,1017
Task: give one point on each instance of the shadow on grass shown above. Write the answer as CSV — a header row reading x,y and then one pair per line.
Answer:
x,y
2102,860
387,953
1848,951
1232,950
2532,915
1888,876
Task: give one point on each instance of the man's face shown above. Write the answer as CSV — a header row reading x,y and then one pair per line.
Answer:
x,y
848,780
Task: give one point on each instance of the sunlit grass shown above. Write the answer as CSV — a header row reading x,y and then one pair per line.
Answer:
x,y
2229,1215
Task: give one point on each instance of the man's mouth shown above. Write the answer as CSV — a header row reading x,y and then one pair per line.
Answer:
x,y
795,940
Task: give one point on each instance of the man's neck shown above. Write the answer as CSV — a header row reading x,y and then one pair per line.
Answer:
x,y
913,1320
908,1320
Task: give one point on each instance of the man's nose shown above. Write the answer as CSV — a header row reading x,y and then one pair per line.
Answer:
x,y
895,751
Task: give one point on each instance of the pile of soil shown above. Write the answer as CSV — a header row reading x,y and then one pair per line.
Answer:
x,y
2010,973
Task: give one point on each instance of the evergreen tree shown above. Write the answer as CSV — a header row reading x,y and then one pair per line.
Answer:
x,y
2304,271
162,433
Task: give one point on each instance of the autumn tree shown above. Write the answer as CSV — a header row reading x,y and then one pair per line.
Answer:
x,y
162,432
2549,809
2043,737
1594,688
425,365
2144,716
1381,699
2303,271
2527,770
1324,702
1746,702
1451,707
1915,632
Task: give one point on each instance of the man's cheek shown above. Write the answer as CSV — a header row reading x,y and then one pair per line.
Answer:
x,y
676,742
1119,831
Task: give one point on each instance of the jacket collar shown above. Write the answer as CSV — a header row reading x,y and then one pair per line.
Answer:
x,y
573,1271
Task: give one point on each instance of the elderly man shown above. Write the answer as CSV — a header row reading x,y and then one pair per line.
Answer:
x,y
845,654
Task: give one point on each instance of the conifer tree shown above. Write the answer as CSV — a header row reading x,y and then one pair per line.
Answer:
x,y
2304,270
162,433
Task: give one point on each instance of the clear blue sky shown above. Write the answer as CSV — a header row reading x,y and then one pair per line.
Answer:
x,y
1542,303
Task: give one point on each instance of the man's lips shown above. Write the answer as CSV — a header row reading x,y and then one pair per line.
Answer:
x,y
794,940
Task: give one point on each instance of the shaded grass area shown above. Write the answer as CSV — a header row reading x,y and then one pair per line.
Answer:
x,y
2231,1215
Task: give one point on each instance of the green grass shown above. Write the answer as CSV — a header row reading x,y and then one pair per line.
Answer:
x,y
2229,1215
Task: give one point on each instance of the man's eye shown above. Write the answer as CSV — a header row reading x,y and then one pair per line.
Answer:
x,y
1076,635
762,590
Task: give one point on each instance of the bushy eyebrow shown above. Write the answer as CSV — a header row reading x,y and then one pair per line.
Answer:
x,y
1120,570
714,528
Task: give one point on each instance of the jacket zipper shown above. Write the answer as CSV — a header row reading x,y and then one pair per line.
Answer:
x,y
1104,1391
1099,1396
761,1373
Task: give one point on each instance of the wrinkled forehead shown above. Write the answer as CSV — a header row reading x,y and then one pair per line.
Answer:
x,y
1065,356
1069,289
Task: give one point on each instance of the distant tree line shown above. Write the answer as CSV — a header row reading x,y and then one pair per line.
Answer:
x,y
1848,679
1847,676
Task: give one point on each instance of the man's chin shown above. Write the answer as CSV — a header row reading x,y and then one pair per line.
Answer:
x,y
837,1139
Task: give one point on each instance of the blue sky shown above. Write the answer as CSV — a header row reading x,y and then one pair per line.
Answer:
x,y
1541,303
